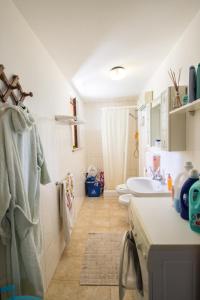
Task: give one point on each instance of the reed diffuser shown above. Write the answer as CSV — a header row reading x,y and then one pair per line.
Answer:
x,y
177,101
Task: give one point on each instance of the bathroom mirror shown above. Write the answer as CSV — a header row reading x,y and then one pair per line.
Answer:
x,y
155,122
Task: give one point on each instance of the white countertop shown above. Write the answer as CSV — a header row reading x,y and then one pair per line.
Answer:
x,y
161,223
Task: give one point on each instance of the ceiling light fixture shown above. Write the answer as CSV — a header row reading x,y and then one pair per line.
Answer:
x,y
117,73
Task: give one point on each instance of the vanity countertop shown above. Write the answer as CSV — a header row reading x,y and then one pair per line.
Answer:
x,y
161,223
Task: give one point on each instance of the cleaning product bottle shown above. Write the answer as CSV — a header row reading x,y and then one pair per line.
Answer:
x,y
169,183
178,183
193,177
194,206
198,82
192,84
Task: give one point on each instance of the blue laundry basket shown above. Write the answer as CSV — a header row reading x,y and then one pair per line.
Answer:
x,y
92,187
11,289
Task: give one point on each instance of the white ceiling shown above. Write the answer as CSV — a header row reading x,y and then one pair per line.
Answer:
x,y
86,38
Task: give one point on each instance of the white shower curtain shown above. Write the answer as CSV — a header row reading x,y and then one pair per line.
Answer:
x,y
115,130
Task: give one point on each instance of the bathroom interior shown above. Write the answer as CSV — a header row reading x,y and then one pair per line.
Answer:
x,y
100,150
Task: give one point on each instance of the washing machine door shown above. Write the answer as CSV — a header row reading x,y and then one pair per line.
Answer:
x,y
130,275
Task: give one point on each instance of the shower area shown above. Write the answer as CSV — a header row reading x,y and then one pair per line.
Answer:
x,y
119,145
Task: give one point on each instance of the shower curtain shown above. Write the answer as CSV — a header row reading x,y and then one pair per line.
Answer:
x,y
115,130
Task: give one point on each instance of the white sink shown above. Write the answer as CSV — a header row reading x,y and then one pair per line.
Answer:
x,y
146,187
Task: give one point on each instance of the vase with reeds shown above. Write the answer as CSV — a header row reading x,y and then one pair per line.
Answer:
x,y
177,100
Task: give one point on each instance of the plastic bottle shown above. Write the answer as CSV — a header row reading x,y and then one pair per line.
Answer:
x,y
194,176
178,183
192,84
169,183
198,82
194,206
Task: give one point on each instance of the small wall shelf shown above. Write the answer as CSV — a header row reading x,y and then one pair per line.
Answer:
x,y
190,107
68,120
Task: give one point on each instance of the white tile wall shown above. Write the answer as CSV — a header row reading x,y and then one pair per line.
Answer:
x,y
39,74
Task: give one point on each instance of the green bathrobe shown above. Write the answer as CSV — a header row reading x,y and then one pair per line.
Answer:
x,y
22,168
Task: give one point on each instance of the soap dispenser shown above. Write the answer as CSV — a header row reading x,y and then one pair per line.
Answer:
x,y
184,197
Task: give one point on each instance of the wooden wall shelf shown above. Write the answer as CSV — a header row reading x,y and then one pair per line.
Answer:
x,y
190,107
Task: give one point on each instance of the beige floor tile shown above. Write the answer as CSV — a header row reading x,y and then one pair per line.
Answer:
x,y
100,229
102,213
62,290
118,222
76,247
83,222
79,233
68,268
94,293
96,215
100,222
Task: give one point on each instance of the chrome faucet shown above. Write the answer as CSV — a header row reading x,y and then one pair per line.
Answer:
x,y
156,175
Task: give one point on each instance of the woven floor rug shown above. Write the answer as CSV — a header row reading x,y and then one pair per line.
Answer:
x,y
101,260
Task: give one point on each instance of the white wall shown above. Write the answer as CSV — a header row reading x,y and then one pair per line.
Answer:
x,y
22,53
94,153
185,53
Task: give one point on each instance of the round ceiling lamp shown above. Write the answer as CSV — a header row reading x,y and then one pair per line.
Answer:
x,y
117,73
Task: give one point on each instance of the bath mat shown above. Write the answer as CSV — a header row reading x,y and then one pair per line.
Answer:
x,y
101,259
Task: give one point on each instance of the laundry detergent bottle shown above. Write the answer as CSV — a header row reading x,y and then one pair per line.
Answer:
x,y
178,183
193,177
194,206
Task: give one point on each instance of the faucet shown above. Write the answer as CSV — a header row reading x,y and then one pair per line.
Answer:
x,y
156,175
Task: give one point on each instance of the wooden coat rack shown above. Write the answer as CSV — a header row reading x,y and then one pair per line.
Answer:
x,y
8,89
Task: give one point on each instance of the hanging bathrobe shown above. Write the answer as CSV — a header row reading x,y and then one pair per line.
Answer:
x,y
22,168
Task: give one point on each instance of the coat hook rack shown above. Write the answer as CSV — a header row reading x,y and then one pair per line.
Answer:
x,y
9,86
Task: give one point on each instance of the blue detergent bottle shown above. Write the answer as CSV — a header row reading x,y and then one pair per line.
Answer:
x,y
194,206
178,183
184,196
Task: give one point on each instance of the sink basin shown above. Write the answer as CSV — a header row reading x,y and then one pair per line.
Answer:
x,y
146,187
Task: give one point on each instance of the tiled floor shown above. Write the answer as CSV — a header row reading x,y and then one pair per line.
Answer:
x,y
96,215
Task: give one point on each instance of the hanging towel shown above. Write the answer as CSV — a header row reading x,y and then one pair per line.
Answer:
x,y
22,169
198,82
130,276
69,184
192,84
66,199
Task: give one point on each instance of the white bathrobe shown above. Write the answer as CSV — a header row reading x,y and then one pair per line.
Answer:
x,y
22,168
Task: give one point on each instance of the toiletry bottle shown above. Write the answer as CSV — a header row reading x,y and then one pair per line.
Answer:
x,y
178,183
198,82
194,206
193,177
169,183
192,84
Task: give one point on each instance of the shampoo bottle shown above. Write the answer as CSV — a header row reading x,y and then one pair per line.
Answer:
x,y
194,206
194,176
178,183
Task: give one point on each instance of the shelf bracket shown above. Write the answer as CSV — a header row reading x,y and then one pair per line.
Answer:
x,y
192,112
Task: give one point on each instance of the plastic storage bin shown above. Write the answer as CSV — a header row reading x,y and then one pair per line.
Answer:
x,y
92,187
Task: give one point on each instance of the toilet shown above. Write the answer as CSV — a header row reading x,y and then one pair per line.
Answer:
x,y
122,189
125,199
